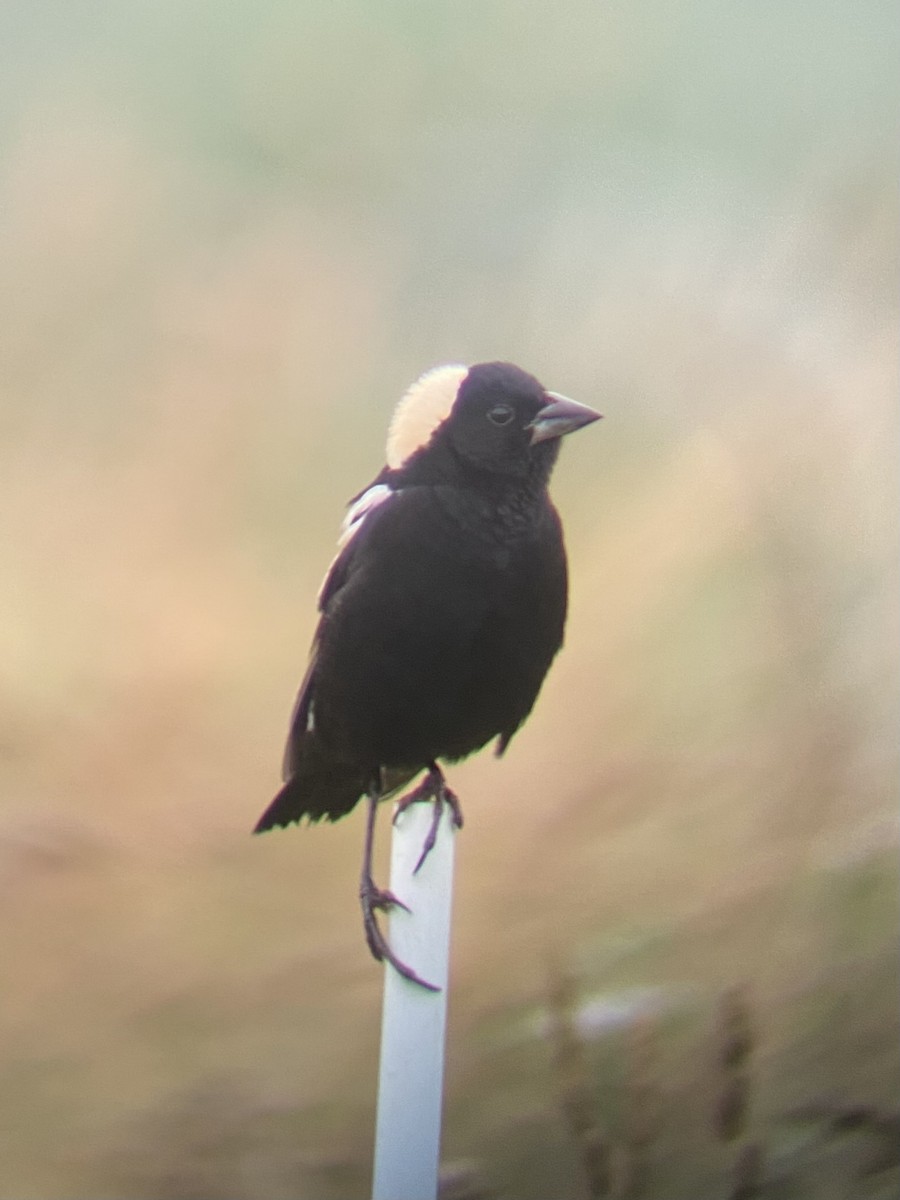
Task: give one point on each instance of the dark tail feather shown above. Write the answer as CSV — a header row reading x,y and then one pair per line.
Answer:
x,y
321,789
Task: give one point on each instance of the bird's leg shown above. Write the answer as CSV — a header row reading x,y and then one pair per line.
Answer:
x,y
433,787
372,897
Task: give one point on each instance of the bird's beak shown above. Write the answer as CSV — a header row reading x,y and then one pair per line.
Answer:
x,y
559,417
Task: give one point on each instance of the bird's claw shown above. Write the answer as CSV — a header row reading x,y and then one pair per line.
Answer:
x,y
433,787
381,898
371,898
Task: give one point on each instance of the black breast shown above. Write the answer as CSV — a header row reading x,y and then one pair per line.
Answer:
x,y
441,637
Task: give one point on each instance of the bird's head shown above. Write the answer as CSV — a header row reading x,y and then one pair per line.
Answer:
x,y
494,417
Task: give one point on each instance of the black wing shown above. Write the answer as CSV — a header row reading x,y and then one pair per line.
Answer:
x,y
336,577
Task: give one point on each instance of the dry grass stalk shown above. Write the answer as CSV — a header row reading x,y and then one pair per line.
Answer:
x,y
736,1040
642,1113
579,1105
748,1171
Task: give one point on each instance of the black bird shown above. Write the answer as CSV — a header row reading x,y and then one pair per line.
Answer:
x,y
442,611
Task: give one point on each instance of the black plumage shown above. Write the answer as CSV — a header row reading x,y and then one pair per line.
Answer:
x,y
446,603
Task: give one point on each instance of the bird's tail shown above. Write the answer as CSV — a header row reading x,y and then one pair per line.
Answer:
x,y
321,788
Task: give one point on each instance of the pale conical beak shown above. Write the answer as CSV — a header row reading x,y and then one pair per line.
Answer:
x,y
559,417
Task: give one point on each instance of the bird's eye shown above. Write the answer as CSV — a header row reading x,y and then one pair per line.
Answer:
x,y
500,414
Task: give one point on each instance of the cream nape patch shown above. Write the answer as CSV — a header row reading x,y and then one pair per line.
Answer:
x,y
426,404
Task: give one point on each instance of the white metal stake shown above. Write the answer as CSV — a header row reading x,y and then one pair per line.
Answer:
x,y
413,1021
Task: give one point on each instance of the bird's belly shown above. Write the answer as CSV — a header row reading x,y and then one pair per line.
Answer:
x,y
435,669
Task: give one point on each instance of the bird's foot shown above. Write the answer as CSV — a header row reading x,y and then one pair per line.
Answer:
x,y
371,898
433,787
382,898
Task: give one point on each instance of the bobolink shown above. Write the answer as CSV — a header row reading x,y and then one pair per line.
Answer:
x,y
442,611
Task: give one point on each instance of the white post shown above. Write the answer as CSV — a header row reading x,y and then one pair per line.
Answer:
x,y
411,1075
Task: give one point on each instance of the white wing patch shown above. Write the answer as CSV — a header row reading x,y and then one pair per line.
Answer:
x,y
353,522
422,409
359,510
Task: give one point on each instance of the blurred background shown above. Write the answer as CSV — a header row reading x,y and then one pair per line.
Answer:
x,y
231,234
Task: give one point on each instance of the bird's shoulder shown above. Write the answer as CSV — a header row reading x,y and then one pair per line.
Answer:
x,y
379,515
395,520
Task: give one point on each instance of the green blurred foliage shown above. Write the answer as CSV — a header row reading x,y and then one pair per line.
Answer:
x,y
230,235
